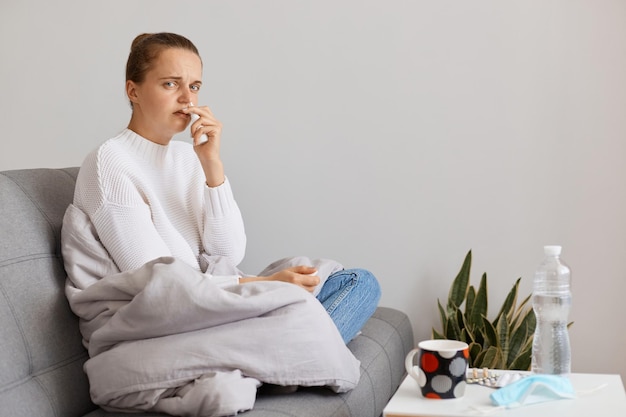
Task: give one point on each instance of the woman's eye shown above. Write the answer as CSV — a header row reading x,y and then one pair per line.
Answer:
x,y
195,87
170,84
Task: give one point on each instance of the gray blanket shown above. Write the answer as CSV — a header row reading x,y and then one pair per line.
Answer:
x,y
165,338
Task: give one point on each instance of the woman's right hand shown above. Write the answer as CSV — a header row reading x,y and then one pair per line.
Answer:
x,y
298,275
208,152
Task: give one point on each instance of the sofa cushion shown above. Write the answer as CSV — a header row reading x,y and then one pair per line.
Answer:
x,y
40,344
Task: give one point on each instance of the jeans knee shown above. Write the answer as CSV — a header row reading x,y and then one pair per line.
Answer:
x,y
367,281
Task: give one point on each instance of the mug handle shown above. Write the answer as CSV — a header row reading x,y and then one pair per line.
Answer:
x,y
408,364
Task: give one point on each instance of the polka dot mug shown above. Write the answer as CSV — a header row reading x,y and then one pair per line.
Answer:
x,y
441,369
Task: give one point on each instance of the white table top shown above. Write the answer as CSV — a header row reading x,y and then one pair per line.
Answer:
x,y
608,401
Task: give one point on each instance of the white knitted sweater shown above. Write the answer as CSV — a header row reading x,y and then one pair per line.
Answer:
x,y
147,200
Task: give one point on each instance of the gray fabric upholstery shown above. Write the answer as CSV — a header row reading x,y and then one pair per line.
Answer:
x,y
41,355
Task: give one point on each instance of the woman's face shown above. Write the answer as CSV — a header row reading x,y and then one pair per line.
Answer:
x,y
169,86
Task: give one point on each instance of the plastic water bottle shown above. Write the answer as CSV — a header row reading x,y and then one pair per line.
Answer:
x,y
552,299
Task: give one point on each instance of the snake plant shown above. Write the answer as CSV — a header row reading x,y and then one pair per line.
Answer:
x,y
502,343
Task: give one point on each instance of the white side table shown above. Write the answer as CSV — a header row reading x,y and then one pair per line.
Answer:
x,y
606,402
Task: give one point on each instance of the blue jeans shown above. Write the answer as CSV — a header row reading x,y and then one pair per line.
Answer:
x,y
350,297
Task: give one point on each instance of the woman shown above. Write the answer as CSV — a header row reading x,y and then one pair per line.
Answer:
x,y
148,196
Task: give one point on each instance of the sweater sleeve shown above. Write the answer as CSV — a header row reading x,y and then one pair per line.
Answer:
x,y
123,225
129,235
223,231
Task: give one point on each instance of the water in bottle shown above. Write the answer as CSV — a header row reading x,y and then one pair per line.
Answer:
x,y
552,299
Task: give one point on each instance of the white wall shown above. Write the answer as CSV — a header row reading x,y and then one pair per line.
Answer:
x,y
390,135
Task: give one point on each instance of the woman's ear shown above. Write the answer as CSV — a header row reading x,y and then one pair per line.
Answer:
x,y
131,92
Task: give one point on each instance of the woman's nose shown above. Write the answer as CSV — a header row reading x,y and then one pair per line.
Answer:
x,y
185,96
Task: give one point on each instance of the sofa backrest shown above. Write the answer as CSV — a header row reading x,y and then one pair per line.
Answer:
x,y
41,352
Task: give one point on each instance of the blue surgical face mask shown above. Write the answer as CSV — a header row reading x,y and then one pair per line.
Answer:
x,y
533,389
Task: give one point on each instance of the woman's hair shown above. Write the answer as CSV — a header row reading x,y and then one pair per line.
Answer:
x,y
147,47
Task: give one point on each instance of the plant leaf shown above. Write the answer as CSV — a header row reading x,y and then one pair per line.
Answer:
x,y
509,303
503,335
474,351
532,323
453,328
470,335
437,335
480,304
491,338
479,336
469,301
518,338
442,316
465,334
460,285
478,361
520,312
523,361
492,358
528,344
466,329
460,318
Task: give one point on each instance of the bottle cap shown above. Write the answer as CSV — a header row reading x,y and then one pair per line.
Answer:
x,y
552,250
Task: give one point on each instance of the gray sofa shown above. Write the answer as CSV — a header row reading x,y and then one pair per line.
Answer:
x,y
41,355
